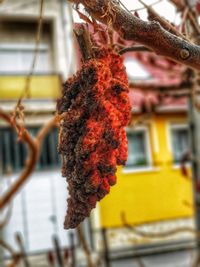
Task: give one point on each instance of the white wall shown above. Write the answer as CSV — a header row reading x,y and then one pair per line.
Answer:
x,y
42,199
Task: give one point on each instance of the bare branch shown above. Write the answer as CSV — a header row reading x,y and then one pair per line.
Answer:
x,y
15,257
84,42
26,90
150,34
135,48
45,129
7,216
154,234
153,15
28,169
34,150
85,247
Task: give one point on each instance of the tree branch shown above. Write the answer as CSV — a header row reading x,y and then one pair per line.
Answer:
x,y
155,234
135,48
34,145
85,247
153,15
28,169
84,42
150,34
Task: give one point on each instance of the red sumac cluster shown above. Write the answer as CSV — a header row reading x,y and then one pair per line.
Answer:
x,y
95,109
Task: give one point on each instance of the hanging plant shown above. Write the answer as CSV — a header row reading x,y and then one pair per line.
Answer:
x,y
95,109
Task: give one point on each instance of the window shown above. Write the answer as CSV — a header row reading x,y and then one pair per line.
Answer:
x,y
13,153
17,46
138,149
22,57
180,141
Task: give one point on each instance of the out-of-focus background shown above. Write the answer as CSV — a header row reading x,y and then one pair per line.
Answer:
x,y
147,219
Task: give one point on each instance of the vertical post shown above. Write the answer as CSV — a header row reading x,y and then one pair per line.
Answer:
x,y
20,243
72,249
1,174
58,251
194,122
106,249
68,40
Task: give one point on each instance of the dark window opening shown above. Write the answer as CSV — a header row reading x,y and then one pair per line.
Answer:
x,y
137,149
180,143
13,153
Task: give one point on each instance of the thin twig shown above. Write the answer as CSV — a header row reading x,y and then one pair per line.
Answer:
x,y
153,15
194,22
45,129
26,90
7,216
135,48
185,14
85,247
15,256
156,235
34,145
84,41
142,8
28,169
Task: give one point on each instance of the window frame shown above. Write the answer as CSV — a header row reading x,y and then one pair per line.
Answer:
x,y
17,163
43,47
176,126
145,129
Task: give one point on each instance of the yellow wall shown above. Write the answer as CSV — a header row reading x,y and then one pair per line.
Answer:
x,y
41,86
151,195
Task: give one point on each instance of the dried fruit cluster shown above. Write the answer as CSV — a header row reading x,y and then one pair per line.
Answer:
x,y
95,109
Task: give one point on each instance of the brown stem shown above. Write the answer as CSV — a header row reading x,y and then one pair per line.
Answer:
x,y
45,129
7,216
84,42
34,150
15,257
28,169
153,15
85,247
181,5
156,235
150,34
135,48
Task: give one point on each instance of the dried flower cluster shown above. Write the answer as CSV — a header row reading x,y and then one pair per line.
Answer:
x,y
95,109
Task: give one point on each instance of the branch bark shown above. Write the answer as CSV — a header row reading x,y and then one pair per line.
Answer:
x,y
85,247
85,45
135,48
34,145
33,156
150,34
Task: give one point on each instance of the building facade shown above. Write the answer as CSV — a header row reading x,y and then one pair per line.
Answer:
x,y
150,188
38,209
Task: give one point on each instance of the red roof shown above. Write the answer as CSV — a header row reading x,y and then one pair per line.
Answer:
x,y
163,72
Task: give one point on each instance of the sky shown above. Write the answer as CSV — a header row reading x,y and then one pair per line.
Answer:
x,y
164,8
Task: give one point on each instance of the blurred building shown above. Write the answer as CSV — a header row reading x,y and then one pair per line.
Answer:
x,y
151,191
39,208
